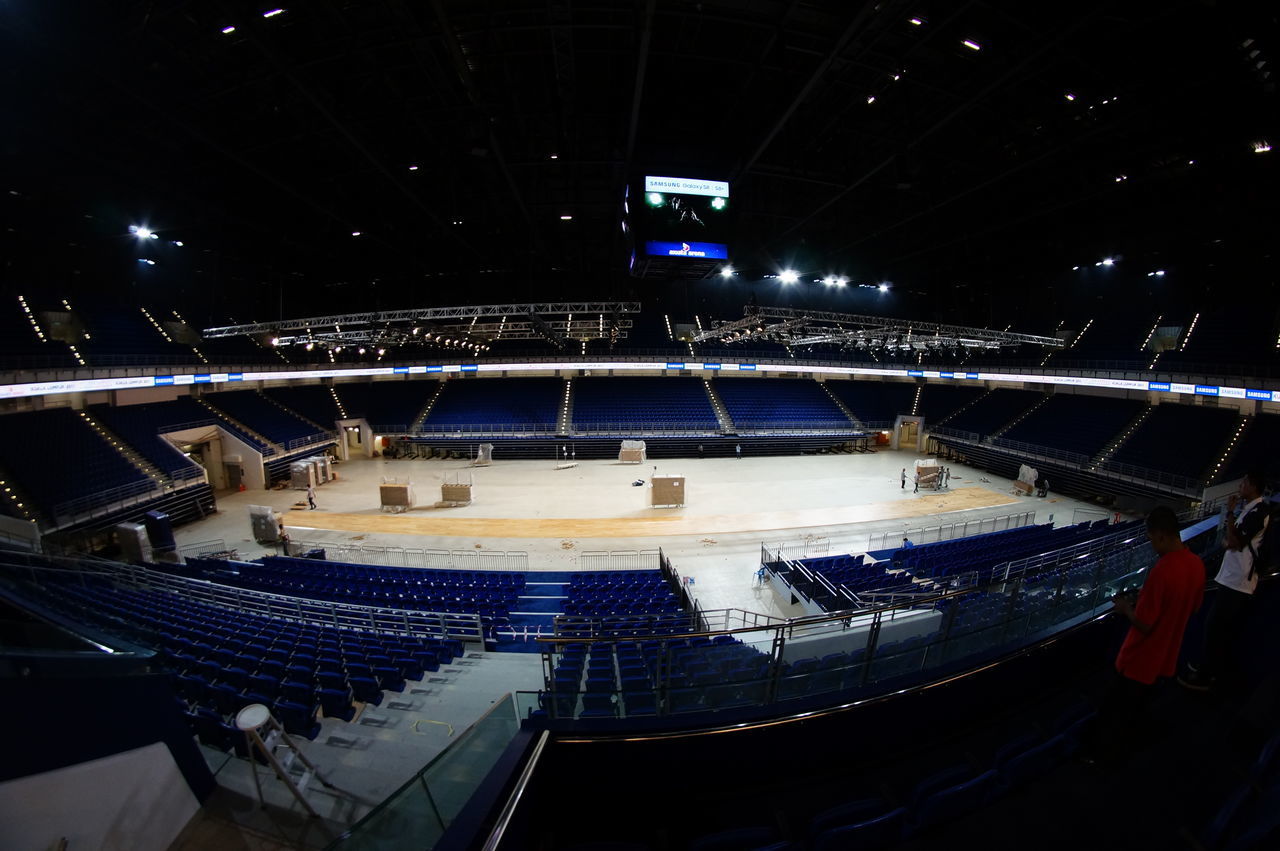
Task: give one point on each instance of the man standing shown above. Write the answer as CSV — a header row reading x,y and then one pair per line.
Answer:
x,y
311,496
737,450
1171,593
1236,581
904,478
917,488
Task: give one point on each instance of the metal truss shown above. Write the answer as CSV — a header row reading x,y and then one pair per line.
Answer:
x,y
814,327
453,317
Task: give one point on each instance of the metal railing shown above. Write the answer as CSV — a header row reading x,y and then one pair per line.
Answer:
x,y
462,626
133,493
620,560
432,559
948,531
318,439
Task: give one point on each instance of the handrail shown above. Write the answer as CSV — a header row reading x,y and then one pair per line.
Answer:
x,y
494,839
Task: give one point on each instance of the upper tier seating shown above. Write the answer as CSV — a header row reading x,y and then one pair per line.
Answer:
x,y
20,347
1235,340
1178,439
874,401
119,333
497,402
141,426
625,405
994,411
269,420
386,405
939,401
779,403
1076,423
1117,336
56,456
313,401
1256,449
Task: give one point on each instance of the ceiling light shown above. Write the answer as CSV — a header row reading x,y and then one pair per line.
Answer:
x,y
1070,96
871,99
178,242
884,288
916,22
413,168
309,346
789,276
726,272
566,218
1261,147
1075,268
554,157
360,350
273,13
655,198
1108,261
972,45
140,231
355,233
718,203
228,30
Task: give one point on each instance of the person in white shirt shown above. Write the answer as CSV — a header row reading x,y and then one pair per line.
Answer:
x,y
1236,581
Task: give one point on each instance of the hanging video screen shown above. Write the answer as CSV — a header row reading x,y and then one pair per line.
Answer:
x,y
686,217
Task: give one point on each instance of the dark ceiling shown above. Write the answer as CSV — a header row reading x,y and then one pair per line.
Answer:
x,y
453,135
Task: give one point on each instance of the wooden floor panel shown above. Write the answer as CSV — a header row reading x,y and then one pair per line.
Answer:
x,y
656,522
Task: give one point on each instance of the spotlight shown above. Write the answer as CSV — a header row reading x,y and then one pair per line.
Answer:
x,y
655,198
789,276
884,288
718,203
275,341
360,350
141,232
310,346
1108,261
726,272
829,281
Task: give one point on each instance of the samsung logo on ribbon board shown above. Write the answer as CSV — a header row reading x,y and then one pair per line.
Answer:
x,y
711,366
1264,395
1206,390
915,373
1158,385
164,379
747,366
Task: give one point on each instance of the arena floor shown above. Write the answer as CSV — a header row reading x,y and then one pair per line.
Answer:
x,y
822,503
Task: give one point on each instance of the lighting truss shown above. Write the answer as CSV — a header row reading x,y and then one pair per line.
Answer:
x,y
813,327
470,327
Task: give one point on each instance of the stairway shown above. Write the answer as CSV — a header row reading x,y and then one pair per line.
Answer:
x,y
1242,427
291,412
534,613
141,464
564,423
963,408
1116,442
16,503
222,415
717,405
841,405
333,391
1018,418
426,409
915,403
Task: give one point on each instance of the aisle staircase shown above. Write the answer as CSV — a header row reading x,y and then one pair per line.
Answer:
x,y
841,405
717,405
966,406
141,464
1018,418
564,423
534,612
1116,442
1242,426
291,412
426,409
272,446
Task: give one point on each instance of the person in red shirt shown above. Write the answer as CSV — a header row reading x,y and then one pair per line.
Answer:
x,y
1171,594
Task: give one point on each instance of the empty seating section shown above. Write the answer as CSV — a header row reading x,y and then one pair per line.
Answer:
x,y
497,402
620,592
655,676
1116,337
980,553
939,401
141,426
1076,423
1179,439
859,575
1255,449
625,405
386,405
20,346
223,660
874,401
1239,341
312,401
995,410
490,594
269,420
56,457
779,403
119,333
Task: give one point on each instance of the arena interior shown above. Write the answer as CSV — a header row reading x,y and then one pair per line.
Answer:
x,y
643,426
